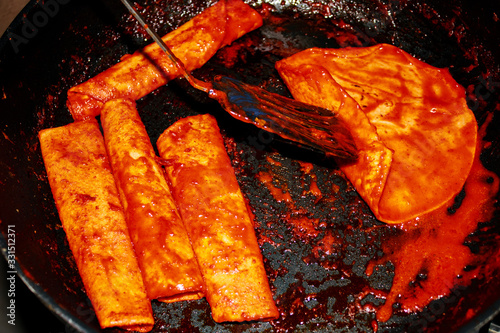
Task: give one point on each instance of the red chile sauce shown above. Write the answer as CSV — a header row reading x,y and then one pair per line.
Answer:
x,y
429,255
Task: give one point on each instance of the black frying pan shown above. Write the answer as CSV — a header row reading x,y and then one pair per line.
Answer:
x,y
54,45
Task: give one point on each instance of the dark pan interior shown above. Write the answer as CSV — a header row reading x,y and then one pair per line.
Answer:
x,y
75,40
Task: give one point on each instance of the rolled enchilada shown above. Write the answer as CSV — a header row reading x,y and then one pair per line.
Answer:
x,y
194,43
215,214
92,217
161,242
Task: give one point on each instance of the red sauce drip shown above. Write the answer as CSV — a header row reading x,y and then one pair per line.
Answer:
x,y
430,255
307,168
278,193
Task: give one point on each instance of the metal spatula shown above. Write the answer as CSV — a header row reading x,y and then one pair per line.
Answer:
x,y
304,124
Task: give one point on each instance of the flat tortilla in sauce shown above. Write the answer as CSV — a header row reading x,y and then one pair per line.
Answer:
x,y
419,149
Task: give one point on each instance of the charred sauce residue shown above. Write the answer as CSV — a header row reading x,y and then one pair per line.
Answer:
x,y
298,207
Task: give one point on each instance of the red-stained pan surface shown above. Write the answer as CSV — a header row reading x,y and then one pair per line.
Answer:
x,y
319,239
